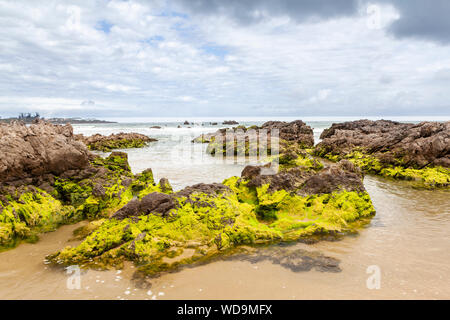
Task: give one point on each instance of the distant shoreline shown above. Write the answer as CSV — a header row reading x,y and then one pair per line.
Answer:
x,y
58,120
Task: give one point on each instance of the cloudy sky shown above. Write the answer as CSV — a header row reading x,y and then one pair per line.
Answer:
x,y
225,58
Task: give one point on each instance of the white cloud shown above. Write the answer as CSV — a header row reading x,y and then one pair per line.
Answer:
x,y
143,58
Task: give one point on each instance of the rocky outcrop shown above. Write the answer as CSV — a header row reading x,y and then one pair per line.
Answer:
x,y
412,145
419,152
295,131
205,137
343,176
39,149
115,141
230,122
162,230
250,141
161,203
48,179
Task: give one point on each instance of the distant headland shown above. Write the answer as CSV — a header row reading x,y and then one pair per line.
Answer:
x,y
30,118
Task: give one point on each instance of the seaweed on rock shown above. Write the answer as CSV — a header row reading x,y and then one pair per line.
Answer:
x,y
161,232
415,152
92,193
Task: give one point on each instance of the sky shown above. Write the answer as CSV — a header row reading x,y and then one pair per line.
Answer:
x,y
178,58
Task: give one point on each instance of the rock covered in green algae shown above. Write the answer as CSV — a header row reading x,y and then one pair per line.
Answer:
x,y
252,140
416,152
26,211
161,231
115,141
96,191
47,178
107,189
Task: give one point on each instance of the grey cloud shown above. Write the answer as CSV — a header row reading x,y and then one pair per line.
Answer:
x,y
422,19
251,11
418,18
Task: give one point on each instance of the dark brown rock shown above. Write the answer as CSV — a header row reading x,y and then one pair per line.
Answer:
x,y
250,172
165,185
98,190
39,149
207,188
295,131
153,203
289,180
411,145
230,122
343,176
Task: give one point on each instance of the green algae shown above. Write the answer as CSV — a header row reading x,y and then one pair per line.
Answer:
x,y
428,177
241,147
216,224
25,214
109,145
34,212
117,162
303,160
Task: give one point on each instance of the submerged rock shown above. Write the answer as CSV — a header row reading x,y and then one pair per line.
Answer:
x,y
295,260
115,141
418,152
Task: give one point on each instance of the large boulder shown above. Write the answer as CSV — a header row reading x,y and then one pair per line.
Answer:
x,y
38,149
295,131
405,144
241,140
